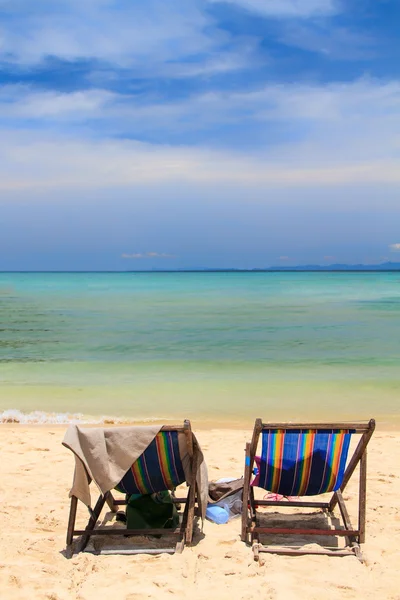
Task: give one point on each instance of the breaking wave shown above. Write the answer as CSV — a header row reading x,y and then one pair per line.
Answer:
x,y
39,417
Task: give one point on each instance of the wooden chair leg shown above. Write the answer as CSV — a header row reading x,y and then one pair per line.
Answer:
x,y
71,520
190,521
253,514
185,514
110,502
191,501
362,497
92,521
180,546
246,488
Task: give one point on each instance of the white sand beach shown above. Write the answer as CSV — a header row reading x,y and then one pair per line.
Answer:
x,y
36,474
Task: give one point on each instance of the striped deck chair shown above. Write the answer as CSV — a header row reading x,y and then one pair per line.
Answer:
x,y
305,460
159,468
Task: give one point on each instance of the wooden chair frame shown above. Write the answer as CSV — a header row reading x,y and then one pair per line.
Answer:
x,y
251,529
184,532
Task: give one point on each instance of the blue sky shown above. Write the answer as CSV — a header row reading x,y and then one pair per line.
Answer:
x,y
240,133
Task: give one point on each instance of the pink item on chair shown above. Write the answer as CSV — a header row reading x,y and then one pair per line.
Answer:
x,y
270,495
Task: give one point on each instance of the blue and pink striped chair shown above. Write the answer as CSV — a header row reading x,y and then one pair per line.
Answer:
x,y
300,460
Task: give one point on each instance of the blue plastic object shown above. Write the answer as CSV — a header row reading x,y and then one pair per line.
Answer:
x,y
217,514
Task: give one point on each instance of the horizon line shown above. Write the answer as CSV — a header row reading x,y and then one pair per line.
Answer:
x,y
217,270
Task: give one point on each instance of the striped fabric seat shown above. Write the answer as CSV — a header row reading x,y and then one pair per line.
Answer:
x,y
159,468
300,462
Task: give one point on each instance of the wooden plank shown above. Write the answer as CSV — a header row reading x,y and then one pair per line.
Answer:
x,y
179,428
248,498
362,496
301,551
86,533
111,502
180,545
174,500
357,551
298,531
250,451
254,440
343,510
291,503
191,500
184,517
128,551
347,523
123,531
71,520
246,495
253,514
359,427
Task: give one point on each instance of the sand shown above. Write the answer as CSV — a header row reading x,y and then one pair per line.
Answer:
x,y
36,473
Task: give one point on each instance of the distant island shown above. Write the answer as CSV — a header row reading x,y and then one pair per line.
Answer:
x,y
387,266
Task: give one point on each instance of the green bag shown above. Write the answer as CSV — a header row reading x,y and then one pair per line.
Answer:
x,y
152,511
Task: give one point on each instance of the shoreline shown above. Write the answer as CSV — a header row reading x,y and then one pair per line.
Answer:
x,y
199,425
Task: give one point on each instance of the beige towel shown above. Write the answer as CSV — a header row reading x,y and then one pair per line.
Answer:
x,y
104,454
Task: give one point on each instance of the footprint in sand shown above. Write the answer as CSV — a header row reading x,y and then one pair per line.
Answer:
x,y
14,581
160,584
47,523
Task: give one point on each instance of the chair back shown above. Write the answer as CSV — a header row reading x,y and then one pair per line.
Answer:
x,y
159,468
303,462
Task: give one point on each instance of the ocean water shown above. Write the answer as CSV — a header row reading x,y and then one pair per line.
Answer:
x,y
219,348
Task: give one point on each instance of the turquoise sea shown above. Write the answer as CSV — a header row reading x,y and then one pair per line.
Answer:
x,y
219,348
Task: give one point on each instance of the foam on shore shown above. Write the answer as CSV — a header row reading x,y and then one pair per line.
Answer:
x,y
39,417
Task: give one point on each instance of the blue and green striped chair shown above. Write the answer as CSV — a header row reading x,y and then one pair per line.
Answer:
x,y
158,468
304,460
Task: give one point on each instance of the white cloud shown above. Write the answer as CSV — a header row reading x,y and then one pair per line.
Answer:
x,y
148,255
72,30
395,247
155,38
340,133
152,38
286,8
359,120
19,101
30,160
126,33
137,255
